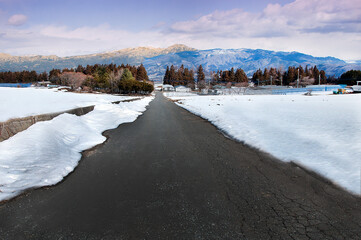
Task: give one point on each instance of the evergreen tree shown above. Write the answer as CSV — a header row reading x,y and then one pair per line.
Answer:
x,y
258,75
101,76
88,70
307,73
191,76
172,75
323,77
186,77
225,76
133,70
316,74
232,77
43,76
127,75
266,75
273,73
142,73
54,75
350,77
166,76
80,68
180,76
291,76
217,76
241,76
200,74
302,72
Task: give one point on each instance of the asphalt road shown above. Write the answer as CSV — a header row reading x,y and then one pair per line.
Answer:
x,y
172,175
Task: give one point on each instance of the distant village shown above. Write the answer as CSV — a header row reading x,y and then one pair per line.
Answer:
x,y
126,79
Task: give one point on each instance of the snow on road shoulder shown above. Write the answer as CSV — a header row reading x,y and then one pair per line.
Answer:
x,y
46,152
318,132
23,102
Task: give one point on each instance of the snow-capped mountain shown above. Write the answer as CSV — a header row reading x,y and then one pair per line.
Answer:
x,y
248,59
156,59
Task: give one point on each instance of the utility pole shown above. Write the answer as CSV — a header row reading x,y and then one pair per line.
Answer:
x,y
298,76
258,81
281,80
319,79
271,80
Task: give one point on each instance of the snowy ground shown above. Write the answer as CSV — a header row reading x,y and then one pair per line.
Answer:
x,y
180,94
46,152
321,132
23,102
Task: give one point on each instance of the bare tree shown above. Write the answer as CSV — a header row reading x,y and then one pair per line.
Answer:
x,y
73,79
242,84
201,84
307,81
114,78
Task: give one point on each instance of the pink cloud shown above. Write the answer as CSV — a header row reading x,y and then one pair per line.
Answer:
x,y
17,20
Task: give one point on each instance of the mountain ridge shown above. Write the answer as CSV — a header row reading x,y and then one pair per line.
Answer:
x,y
156,59
249,60
134,51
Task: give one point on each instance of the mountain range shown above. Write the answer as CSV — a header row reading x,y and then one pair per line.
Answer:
x,y
156,60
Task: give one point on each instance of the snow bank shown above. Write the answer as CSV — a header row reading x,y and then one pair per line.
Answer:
x,y
46,152
23,102
320,132
179,94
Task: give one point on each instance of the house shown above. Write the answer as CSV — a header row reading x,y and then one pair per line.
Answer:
x,y
158,86
168,88
182,89
43,84
218,89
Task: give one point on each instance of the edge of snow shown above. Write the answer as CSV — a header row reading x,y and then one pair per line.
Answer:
x,y
48,151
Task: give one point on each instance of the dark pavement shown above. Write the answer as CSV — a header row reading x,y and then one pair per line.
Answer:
x,y
172,175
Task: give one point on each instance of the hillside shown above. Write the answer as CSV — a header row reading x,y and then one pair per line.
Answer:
x,y
156,59
132,56
248,59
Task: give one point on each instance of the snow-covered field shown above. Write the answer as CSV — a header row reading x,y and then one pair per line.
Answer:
x,y
322,132
46,152
23,102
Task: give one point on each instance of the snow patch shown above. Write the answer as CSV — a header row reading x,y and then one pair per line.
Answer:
x,y
47,151
319,132
24,102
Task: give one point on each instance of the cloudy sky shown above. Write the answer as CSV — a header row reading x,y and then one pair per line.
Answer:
x,y
73,27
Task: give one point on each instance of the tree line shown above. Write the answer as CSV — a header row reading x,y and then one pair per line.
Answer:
x,y
350,77
139,73
183,76
233,76
179,76
22,77
109,78
305,76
